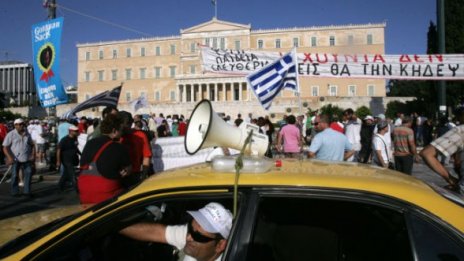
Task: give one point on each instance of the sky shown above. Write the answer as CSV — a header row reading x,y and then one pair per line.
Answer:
x,y
407,21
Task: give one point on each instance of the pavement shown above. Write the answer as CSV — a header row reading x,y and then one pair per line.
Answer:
x,y
47,195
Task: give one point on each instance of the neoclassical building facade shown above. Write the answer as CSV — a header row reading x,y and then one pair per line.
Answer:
x,y
167,70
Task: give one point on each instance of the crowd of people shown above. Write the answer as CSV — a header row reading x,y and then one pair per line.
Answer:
x,y
118,150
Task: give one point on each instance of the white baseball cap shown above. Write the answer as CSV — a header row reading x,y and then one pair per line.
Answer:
x,y
214,218
18,121
369,117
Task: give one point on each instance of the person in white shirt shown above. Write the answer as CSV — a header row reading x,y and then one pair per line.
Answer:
x,y
380,157
202,239
353,132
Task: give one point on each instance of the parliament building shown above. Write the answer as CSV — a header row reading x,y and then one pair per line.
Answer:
x,y
168,70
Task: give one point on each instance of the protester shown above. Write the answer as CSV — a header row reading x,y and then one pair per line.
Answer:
x,y
67,156
203,239
367,131
449,144
381,152
353,132
107,111
3,133
20,153
104,163
404,146
289,139
329,144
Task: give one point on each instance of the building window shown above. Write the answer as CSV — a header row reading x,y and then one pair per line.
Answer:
x,y
173,49
313,41
277,43
100,54
157,51
115,54
143,94
315,91
87,76
142,51
128,96
333,90
369,39
237,45
192,69
142,73
172,71
260,44
157,72
223,43
100,76
193,47
128,52
207,42
350,39
157,96
128,74
296,42
370,90
114,75
87,96
332,40
215,43
87,56
351,90
173,95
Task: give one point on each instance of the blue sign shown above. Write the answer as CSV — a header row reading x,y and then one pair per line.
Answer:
x,y
46,41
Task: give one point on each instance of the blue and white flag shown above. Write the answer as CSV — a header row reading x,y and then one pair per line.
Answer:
x,y
139,103
46,42
106,98
271,79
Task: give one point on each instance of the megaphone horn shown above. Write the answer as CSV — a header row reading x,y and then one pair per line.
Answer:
x,y
206,129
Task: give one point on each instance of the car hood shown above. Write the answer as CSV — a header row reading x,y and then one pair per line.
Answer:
x,y
14,227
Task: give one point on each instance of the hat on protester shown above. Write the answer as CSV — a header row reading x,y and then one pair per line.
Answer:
x,y
214,218
18,121
73,128
382,124
381,116
369,117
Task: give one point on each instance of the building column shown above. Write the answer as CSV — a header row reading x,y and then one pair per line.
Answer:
x,y
215,92
208,92
224,91
192,93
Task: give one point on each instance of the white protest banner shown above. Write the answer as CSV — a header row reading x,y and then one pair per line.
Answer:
x,y
405,66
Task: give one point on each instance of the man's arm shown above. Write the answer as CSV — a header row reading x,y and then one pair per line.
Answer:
x,y
146,232
312,154
429,155
380,158
8,154
348,154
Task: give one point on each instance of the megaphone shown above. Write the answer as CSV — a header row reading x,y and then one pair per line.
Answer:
x,y
206,129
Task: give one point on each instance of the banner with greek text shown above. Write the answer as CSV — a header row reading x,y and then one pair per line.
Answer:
x,y
46,46
405,66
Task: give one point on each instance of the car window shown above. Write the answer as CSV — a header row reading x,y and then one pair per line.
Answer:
x,y
319,229
435,243
100,239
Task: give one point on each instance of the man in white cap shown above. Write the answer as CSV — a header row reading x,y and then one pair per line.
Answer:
x,y
67,157
202,239
20,153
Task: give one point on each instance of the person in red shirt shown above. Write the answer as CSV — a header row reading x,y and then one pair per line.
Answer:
x,y
82,126
139,147
3,133
182,128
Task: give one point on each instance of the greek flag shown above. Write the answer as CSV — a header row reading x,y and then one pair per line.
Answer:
x,y
106,98
270,80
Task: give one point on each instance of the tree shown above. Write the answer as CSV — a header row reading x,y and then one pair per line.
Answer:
x,y
331,110
362,112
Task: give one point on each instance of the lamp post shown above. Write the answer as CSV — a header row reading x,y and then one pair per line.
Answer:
x,y
441,50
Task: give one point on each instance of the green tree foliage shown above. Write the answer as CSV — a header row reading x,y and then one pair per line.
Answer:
x,y
362,112
8,115
331,110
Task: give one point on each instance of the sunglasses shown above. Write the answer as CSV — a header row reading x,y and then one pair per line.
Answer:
x,y
198,237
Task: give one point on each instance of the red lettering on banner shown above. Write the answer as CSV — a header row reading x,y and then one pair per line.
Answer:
x,y
319,60
335,56
366,58
378,57
418,59
307,58
439,57
353,57
404,58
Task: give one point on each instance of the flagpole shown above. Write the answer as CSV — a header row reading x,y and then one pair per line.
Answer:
x,y
295,56
215,9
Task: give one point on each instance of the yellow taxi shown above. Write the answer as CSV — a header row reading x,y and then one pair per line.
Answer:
x,y
302,210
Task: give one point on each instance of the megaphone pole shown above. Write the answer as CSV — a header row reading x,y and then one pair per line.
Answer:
x,y
238,167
